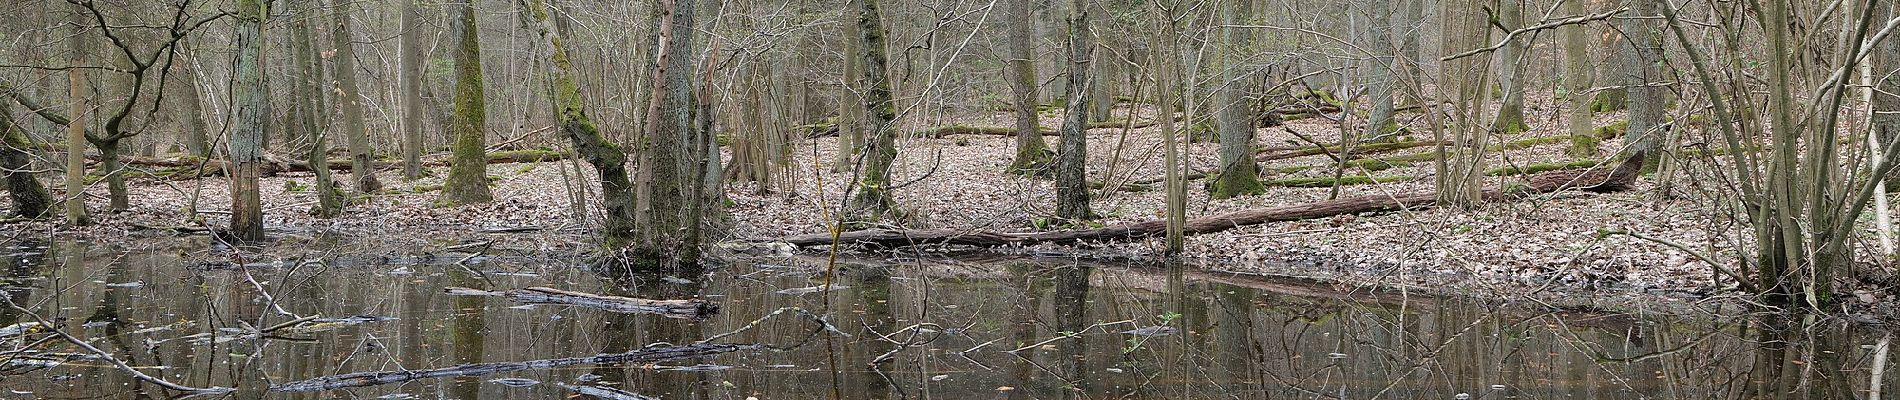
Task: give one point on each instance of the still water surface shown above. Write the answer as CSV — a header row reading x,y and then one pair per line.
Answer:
x,y
1000,329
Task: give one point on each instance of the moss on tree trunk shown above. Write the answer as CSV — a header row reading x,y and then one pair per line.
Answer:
x,y
467,182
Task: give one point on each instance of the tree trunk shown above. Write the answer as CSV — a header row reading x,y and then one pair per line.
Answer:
x,y
30,199
1239,174
349,101
666,192
1378,39
76,127
1460,164
1072,188
609,161
1577,81
1511,60
874,200
851,98
247,125
1643,65
114,170
1032,153
412,58
468,173
303,114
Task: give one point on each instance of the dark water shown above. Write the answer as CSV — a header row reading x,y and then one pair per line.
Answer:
x,y
943,330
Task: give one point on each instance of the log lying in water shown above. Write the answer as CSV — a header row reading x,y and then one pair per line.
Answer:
x,y
682,309
646,355
1591,180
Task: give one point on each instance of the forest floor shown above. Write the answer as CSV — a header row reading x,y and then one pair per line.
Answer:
x,y
1549,241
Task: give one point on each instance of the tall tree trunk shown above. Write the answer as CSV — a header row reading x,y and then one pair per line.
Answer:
x,y
616,187
1577,81
76,127
303,113
468,170
1643,33
1460,164
349,101
1167,70
667,179
30,199
874,199
1072,188
247,125
412,57
852,98
1032,153
1377,39
1511,60
1239,175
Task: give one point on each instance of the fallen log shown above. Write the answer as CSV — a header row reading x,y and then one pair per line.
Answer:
x,y
1363,149
694,309
1600,179
183,167
646,355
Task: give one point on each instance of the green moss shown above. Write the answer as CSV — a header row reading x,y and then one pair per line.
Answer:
x,y
1330,182
1609,100
1614,129
293,186
1541,167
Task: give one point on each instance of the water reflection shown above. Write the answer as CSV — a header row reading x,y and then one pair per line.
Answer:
x,y
916,329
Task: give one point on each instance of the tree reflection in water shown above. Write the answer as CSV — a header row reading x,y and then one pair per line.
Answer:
x,y
941,328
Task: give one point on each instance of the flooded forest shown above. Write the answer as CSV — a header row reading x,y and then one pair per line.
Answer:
x,y
962,199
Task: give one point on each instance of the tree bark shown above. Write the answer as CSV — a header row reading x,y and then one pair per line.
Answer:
x,y
349,101
1072,190
468,173
412,57
1577,81
851,98
667,178
616,186
1378,39
1643,38
873,201
30,198
247,125
303,113
76,128
1032,153
1511,60
1239,174
1460,163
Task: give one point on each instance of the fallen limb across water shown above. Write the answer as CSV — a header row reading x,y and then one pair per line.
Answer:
x,y
646,355
682,309
1593,180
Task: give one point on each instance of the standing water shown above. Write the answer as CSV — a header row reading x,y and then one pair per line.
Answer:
x,y
1028,329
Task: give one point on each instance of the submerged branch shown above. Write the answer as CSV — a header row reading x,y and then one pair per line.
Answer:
x,y
646,355
682,309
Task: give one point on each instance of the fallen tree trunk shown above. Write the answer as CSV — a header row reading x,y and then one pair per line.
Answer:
x,y
1363,149
646,355
182,167
1592,180
683,309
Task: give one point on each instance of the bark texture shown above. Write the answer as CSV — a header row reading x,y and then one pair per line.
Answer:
x,y
349,101
1032,153
873,201
467,182
247,124
1072,187
616,185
